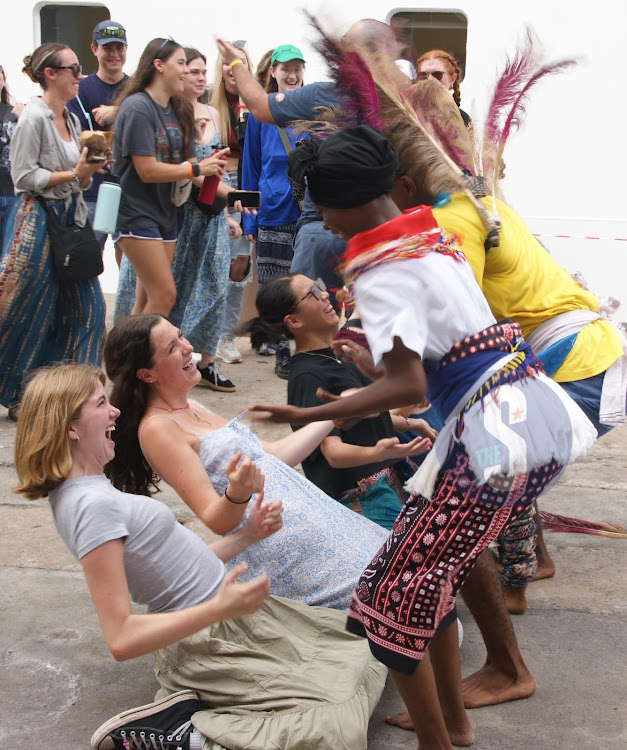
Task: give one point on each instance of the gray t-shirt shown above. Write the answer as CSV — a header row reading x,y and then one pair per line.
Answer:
x,y
144,128
167,566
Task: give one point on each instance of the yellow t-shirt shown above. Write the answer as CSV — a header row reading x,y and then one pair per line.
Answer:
x,y
522,281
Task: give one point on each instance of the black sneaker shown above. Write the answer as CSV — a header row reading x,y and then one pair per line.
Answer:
x,y
282,364
213,377
163,724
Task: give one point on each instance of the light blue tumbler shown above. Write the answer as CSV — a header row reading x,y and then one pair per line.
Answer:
x,y
107,205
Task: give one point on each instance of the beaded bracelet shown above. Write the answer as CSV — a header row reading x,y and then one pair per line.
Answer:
x,y
236,502
235,62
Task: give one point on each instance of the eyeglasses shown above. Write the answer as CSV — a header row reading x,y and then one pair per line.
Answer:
x,y
111,32
437,74
76,69
239,43
315,291
163,43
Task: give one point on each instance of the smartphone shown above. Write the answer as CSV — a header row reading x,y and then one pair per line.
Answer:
x,y
249,198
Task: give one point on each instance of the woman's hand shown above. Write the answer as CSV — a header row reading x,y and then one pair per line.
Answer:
x,y
252,237
238,599
228,51
263,520
235,229
280,413
422,427
214,164
85,169
200,125
243,480
18,109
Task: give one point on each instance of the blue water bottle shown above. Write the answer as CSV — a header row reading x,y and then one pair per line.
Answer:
x,y
107,205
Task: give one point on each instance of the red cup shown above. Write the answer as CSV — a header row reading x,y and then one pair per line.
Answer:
x,y
209,187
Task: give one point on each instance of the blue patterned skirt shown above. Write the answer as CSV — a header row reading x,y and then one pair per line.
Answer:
x,y
42,321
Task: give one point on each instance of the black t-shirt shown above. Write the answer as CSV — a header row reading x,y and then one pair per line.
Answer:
x,y
318,369
8,123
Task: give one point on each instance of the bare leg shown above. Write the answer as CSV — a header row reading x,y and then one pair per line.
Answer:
x,y
420,695
515,599
504,676
546,566
152,262
444,651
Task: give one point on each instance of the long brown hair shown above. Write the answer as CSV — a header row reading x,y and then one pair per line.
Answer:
x,y
160,49
127,350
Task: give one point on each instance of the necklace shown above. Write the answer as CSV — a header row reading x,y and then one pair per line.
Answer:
x,y
181,408
326,356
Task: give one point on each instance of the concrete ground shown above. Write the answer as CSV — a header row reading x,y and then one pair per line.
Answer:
x,y
60,682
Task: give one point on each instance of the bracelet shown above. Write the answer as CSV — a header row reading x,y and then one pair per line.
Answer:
x,y
408,425
241,106
236,502
233,63
74,175
237,541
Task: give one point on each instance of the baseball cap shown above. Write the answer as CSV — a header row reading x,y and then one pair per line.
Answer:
x,y
286,52
109,31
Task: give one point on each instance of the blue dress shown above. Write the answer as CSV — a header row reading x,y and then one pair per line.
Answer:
x,y
323,547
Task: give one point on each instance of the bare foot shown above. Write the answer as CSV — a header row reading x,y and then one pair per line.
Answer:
x,y
515,599
459,736
488,686
546,569
402,720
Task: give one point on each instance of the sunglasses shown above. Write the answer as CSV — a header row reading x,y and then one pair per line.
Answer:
x,y
437,74
163,43
315,291
239,43
76,69
112,32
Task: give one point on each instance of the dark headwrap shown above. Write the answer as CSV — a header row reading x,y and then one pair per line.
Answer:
x,y
348,169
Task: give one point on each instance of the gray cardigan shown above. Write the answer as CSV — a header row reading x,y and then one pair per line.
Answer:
x,y
37,150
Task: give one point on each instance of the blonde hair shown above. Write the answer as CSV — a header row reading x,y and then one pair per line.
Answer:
x,y
52,399
218,96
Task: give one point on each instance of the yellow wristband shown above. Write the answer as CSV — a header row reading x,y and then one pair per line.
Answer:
x,y
235,62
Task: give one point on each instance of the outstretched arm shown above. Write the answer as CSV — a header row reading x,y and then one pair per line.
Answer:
x,y
129,635
341,455
292,449
403,382
253,94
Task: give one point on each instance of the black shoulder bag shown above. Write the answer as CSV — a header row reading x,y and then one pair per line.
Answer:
x,y
75,251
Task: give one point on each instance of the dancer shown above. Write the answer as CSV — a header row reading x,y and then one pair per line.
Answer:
x,y
231,662
508,432
42,320
319,554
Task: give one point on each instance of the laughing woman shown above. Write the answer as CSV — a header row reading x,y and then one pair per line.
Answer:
x,y
41,320
153,148
235,668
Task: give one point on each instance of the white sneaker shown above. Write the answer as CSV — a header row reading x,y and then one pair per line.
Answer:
x,y
227,351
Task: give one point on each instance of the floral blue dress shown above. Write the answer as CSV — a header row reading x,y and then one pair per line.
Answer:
x,y
323,547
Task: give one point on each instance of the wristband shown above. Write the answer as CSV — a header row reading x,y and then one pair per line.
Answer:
x,y
236,502
190,174
233,63
75,177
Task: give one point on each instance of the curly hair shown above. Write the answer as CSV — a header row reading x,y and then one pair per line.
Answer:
x,y
127,350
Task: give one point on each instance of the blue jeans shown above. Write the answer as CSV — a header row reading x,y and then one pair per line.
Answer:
x,y
7,205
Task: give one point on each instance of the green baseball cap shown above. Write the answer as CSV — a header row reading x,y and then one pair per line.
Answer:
x,y
285,53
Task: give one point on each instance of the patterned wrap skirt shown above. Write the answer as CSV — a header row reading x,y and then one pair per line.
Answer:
x,y
456,511
42,321
274,251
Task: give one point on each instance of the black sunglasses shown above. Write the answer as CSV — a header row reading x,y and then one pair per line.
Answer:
x,y
437,74
112,32
76,69
315,291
